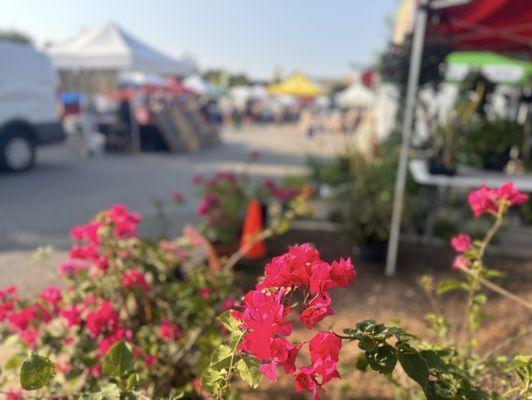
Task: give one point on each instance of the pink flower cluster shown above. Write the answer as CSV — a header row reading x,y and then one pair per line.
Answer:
x,y
461,243
263,315
87,238
208,204
482,201
169,331
279,192
178,197
135,279
25,320
485,200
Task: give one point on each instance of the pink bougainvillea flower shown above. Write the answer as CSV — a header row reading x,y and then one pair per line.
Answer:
x,y
342,272
263,312
125,222
461,243
306,380
105,318
460,262
208,203
318,308
150,360
283,353
263,317
118,334
96,371
228,304
278,192
21,319
510,193
325,346
88,232
485,200
482,200
72,315
169,330
70,267
178,197
205,292
8,292
51,295
254,153
14,395
135,278
197,179
29,336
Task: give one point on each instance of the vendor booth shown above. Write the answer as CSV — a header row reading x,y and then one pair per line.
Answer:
x,y
501,26
91,62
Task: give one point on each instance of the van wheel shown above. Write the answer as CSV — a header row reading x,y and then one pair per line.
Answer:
x,y
17,151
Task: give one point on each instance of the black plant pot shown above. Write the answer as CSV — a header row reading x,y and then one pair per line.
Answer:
x,y
438,167
374,252
495,161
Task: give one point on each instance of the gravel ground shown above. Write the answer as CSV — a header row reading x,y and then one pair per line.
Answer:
x,y
38,208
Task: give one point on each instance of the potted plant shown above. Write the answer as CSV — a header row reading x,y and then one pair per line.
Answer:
x,y
222,210
487,144
370,197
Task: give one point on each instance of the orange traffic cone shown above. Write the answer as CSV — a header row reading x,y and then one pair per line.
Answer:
x,y
249,244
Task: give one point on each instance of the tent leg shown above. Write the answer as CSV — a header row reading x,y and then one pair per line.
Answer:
x,y
135,130
400,181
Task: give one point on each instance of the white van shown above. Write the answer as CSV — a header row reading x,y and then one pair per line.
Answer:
x,y
28,109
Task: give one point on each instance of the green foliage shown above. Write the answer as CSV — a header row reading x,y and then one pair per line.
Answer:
x,y
226,361
248,369
334,173
36,372
15,37
386,346
119,360
370,197
486,144
108,392
395,60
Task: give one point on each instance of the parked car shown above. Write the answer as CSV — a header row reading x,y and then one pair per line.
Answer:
x,y
28,107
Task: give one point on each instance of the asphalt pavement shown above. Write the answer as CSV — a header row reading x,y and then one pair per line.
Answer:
x,y
39,207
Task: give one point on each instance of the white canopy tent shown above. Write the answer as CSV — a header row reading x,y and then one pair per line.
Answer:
x,y
109,47
199,85
356,95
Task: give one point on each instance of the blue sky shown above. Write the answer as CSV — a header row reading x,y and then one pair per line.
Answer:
x,y
320,37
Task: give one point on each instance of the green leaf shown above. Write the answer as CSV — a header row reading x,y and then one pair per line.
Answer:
x,y
221,357
367,344
229,321
213,380
415,366
132,380
480,298
36,372
450,285
108,392
383,360
248,369
433,360
119,360
14,362
362,363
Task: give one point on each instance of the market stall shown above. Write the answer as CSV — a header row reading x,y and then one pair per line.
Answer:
x,y
502,26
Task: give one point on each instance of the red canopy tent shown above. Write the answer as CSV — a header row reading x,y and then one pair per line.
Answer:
x,y
495,25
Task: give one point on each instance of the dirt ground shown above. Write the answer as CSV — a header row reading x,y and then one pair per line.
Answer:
x,y
402,300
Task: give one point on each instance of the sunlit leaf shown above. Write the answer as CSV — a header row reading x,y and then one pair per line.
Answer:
x,y
36,372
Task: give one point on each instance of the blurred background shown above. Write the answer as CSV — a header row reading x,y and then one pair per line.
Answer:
x,y
412,103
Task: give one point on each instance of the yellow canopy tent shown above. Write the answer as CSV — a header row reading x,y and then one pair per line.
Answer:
x,y
296,85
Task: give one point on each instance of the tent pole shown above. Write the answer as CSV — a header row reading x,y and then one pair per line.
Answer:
x,y
400,181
